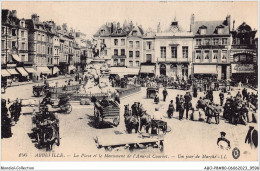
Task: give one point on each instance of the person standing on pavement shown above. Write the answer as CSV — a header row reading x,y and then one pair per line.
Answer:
x,y
187,98
181,108
165,93
244,93
177,102
221,97
170,109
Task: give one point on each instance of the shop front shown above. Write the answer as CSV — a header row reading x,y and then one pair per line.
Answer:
x,y
147,70
244,73
205,71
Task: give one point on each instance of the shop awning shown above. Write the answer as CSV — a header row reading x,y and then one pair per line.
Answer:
x,y
43,70
147,69
205,69
55,70
118,70
5,73
16,57
12,71
30,70
133,71
22,71
71,67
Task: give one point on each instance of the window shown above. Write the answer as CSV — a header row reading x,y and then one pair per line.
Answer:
x,y
149,45
174,52
215,42
3,30
198,42
198,53
137,44
224,54
13,32
23,58
39,37
163,52
207,41
115,52
102,32
43,39
13,44
224,41
131,63
123,52
215,54
122,42
148,58
23,46
2,44
185,51
134,33
137,63
206,54
9,44
131,44
115,42
22,33
130,54
115,62
137,54
48,50
203,31
220,30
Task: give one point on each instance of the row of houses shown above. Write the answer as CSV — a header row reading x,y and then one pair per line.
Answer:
x,y
209,48
31,47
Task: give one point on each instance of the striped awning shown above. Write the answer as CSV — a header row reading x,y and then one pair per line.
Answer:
x,y
30,70
43,70
16,57
22,71
5,73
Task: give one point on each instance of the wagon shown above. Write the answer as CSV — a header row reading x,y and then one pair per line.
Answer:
x,y
158,125
151,91
39,90
110,113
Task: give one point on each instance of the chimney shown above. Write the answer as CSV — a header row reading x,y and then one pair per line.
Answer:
x,y
233,25
14,12
192,20
228,21
159,28
118,25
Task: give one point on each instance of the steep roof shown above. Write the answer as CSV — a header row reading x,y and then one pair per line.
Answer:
x,y
139,32
211,27
106,31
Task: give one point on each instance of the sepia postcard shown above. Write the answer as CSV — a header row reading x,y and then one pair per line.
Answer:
x,y
129,81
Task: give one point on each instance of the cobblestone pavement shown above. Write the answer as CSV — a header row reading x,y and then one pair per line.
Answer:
x,y
77,131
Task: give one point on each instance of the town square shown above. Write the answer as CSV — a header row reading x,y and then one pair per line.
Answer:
x,y
129,91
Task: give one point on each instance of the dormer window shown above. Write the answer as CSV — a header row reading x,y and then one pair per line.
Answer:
x,y
102,32
220,30
203,30
134,33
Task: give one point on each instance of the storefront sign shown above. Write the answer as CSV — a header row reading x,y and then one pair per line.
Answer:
x,y
242,68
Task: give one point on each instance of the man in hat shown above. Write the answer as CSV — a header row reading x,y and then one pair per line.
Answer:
x,y
221,97
177,102
165,93
222,138
181,108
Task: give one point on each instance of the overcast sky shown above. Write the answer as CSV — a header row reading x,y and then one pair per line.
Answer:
x,y
89,16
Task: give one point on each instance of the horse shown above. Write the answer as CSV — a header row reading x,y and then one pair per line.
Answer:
x,y
131,122
145,121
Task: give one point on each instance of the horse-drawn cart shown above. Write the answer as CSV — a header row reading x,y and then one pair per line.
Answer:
x,y
158,125
109,113
151,91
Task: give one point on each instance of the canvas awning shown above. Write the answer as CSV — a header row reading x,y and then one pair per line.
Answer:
x,y
22,71
133,71
16,57
118,70
30,70
205,69
12,71
147,69
43,70
55,70
71,67
5,73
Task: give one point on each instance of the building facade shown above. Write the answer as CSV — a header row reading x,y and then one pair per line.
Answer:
x,y
212,44
243,56
173,51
